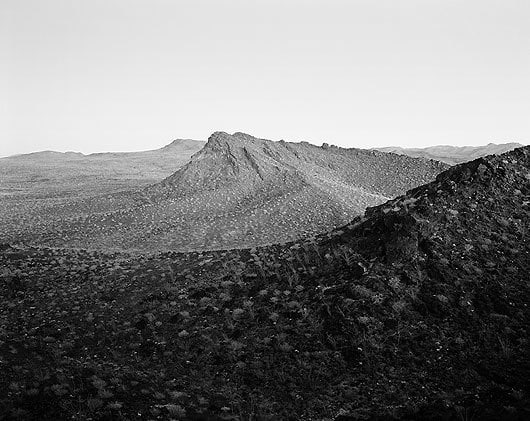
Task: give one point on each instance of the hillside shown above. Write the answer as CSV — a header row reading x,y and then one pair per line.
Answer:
x,y
453,155
419,310
245,161
50,173
237,191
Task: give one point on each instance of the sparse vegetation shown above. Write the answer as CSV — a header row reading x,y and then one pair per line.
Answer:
x,y
417,310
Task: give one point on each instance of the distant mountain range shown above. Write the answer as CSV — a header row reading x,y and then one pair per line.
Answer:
x,y
452,155
73,173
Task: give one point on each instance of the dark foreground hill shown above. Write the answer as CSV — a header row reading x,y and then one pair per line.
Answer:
x,y
453,155
419,310
50,173
237,191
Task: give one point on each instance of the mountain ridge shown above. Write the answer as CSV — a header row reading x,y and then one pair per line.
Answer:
x,y
241,152
176,143
453,155
74,173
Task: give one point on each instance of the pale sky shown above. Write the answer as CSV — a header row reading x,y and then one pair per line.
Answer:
x,y
124,75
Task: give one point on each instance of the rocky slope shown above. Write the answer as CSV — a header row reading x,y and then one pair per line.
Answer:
x,y
241,159
419,310
237,191
241,190
453,155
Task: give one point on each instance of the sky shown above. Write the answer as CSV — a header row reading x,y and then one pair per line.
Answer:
x,y
128,75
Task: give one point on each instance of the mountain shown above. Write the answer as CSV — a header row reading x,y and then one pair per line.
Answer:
x,y
243,162
73,173
452,155
238,191
417,310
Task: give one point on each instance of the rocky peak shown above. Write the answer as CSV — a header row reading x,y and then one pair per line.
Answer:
x,y
222,140
218,138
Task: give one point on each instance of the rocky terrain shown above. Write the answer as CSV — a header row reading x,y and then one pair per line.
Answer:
x,y
453,155
418,310
237,191
55,174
